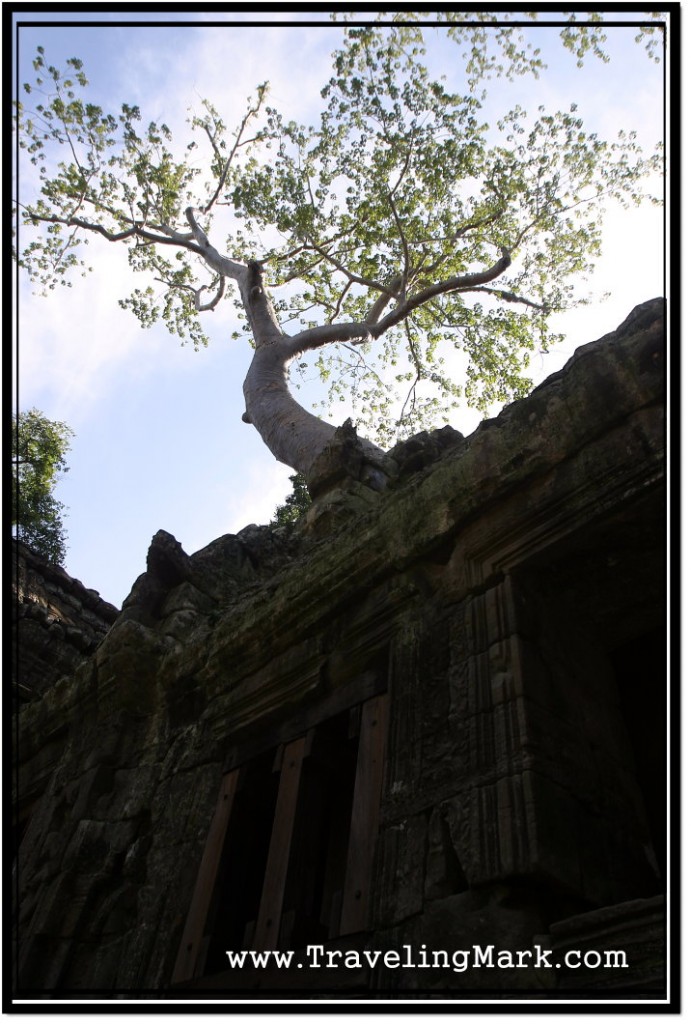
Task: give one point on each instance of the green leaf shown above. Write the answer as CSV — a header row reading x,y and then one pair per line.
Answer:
x,y
39,449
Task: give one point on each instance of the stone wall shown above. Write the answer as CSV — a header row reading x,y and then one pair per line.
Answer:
x,y
56,622
424,719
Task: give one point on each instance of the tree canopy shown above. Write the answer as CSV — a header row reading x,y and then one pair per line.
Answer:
x,y
295,504
39,449
399,232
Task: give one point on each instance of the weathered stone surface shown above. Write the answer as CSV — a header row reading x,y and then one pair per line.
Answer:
x,y
503,590
419,451
444,873
344,463
56,622
635,931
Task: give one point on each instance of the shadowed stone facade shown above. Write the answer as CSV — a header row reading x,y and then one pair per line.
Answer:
x,y
56,622
430,718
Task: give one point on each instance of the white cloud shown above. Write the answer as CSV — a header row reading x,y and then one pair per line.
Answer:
x,y
225,65
264,487
75,340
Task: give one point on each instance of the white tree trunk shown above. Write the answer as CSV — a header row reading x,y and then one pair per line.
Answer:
x,y
290,432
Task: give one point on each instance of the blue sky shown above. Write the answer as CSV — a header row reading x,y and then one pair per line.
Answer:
x,y
159,440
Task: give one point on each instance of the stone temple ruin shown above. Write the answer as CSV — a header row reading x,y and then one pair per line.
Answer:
x,y
431,719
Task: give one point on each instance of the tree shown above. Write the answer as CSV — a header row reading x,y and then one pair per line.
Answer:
x,y
297,502
39,447
396,227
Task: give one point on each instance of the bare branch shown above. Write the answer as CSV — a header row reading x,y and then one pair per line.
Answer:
x,y
404,243
464,282
353,278
470,226
135,231
166,230
341,297
221,264
118,236
203,307
418,375
300,273
224,174
307,247
404,169
316,337
464,230
483,222
509,297
382,301
366,367
197,233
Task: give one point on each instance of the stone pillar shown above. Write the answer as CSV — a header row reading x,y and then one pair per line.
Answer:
x,y
553,794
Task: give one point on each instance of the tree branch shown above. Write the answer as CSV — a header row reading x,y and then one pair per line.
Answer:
x,y
382,301
404,169
472,225
483,222
509,297
298,274
418,377
406,256
353,278
172,238
197,292
224,174
316,337
224,266
341,297
212,302
464,282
